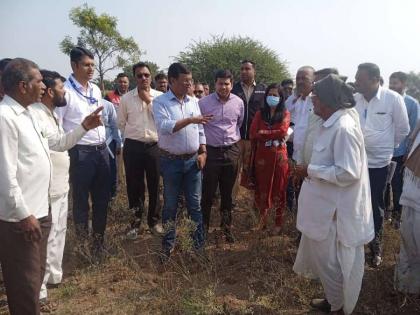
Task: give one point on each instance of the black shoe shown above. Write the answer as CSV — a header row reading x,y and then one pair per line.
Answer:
x,y
321,304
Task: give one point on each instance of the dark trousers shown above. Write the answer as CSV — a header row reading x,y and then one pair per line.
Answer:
x,y
397,184
90,174
113,168
23,266
221,170
142,158
377,177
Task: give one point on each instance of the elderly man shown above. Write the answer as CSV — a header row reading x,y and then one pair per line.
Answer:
x,y
384,120
183,154
25,218
407,270
335,227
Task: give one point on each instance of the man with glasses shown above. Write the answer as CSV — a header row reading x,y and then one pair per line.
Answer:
x,y
135,120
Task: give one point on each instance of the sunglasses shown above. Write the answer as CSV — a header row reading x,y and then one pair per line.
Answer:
x,y
143,75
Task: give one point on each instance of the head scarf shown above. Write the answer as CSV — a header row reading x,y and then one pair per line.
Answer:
x,y
333,92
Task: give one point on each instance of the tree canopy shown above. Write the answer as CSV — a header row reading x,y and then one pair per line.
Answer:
x,y
413,85
99,34
205,57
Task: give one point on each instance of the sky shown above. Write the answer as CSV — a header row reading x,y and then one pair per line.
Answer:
x,y
320,33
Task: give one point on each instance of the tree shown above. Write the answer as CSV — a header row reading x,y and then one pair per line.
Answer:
x,y
99,34
413,85
204,57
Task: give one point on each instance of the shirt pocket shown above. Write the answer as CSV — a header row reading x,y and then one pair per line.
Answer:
x,y
380,120
321,154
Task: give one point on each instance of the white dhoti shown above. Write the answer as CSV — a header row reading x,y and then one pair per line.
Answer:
x,y
407,270
56,242
340,268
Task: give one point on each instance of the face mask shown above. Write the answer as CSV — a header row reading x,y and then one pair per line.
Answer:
x,y
273,101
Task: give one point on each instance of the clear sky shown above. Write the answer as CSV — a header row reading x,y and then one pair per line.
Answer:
x,y
321,33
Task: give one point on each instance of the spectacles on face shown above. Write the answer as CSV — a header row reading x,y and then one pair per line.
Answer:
x,y
142,75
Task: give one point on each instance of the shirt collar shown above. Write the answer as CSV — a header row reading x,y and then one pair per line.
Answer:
x,y
333,118
172,96
244,85
78,85
17,108
218,98
378,93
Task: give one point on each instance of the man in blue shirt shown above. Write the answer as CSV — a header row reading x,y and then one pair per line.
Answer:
x,y
183,153
398,83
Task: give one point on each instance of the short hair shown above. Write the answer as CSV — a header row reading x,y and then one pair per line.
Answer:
x,y
3,63
77,53
176,69
17,70
49,78
122,75
371,69
310,68
223,74
140,65
286,82
399,75
161,76
248,61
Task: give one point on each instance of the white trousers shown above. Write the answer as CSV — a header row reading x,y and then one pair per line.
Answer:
x,y
56,242
407,270
340,268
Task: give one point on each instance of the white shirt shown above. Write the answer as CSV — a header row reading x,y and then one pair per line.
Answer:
x,y
135,117
337,184
60,160
384,122
77,108
299,114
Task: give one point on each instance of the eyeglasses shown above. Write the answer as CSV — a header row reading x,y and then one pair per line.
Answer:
x,y
143,75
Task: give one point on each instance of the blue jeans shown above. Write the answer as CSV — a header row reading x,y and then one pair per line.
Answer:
x,y
181,176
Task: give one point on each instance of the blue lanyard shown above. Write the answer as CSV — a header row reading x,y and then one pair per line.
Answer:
x,y
90,98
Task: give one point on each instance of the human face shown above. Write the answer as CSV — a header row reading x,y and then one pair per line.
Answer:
x,y
206,89
304,81
123,84
247,73
199,90
143,78
364,84
162,85
59,92
273,92
34,89
84,69
223,87
181,84
396,85
288,90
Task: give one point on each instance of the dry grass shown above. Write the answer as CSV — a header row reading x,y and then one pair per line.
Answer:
x,y
252,276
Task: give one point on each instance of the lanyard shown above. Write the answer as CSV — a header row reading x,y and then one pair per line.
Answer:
x,y
92,100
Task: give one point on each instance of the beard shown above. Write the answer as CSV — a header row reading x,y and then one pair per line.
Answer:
x,y
59,101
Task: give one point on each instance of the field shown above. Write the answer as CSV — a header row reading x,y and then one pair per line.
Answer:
x,y
252,276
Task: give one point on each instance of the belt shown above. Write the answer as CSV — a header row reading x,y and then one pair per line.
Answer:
x,y
145,144
93,147
168,155
222,147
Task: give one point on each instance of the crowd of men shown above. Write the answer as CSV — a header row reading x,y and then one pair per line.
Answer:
x,y
346,142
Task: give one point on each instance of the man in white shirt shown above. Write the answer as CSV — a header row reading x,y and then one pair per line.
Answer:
x,y
384,121
89,159
335,227
141,154
25,179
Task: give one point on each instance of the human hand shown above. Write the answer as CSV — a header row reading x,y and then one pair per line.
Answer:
x,y
145,96
201,160
93,120
30,228
202,119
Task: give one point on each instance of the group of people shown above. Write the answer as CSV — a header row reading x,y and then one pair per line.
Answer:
x,y
323,145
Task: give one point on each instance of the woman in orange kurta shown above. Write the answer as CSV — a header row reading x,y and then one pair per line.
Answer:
x,y
268,131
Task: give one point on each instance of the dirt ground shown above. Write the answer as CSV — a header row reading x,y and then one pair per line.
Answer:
x,y
252,276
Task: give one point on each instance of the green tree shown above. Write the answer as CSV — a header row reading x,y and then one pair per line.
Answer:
x,y
99,34
204,57
413,85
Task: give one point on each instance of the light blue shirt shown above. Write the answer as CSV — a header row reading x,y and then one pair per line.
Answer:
x,y
109,118
167,110
413,115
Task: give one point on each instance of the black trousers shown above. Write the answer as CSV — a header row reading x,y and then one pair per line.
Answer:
x,y
377,177
90,175
397,184
221,170
142,158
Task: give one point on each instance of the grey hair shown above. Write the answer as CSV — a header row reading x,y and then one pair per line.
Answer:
x,y
16,71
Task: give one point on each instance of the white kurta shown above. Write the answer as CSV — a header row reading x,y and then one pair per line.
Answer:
x,y
335,213
407,270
